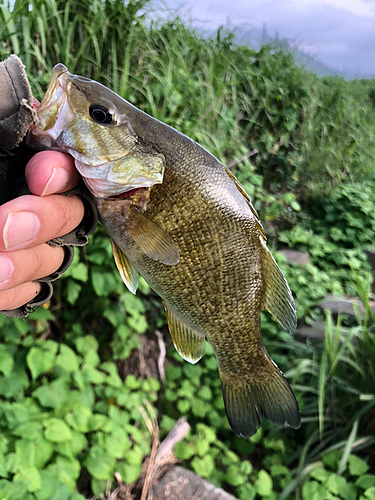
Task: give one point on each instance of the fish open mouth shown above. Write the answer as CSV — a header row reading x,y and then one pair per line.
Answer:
x,y
54,112
127,194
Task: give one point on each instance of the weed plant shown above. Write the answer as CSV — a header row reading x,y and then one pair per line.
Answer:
x,y
303,148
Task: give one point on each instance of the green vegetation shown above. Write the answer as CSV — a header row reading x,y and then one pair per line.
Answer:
x,y
303,147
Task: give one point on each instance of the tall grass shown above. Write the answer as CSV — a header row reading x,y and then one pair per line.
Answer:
x,y
307,132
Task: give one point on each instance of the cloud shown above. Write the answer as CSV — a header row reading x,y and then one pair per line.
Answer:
x,y
340,32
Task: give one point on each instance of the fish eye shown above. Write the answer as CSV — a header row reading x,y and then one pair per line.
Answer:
x,y
100,114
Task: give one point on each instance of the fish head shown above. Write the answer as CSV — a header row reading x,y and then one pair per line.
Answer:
x,y
87,120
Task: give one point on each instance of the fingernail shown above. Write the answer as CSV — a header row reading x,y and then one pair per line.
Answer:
x,y
20,228
56,183
6,269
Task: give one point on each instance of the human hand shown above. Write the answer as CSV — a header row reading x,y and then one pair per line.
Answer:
x,y
28,222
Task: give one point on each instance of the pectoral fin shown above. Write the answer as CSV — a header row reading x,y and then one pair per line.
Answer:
x,y
187,343
127,272
152,239
278,297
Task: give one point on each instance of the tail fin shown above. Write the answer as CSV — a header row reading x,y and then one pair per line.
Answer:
x,y
266,396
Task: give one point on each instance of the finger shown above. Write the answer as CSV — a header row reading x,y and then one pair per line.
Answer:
x,y
36,103
29,221
50,172
17,297
29,264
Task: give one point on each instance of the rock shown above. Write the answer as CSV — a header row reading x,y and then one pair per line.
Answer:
x,y
315,331
182,484
341,305
296,257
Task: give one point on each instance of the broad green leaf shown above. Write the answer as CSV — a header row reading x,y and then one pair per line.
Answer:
x,y
67,470
30,430
79,419
234,477
3,469
92,375
103,283
48,485
335,484
53,394
113,379
370,493
135,455
263,484
96,422
331,459
203,466
33,452
205,393
311,490
357,466
366,481
99,463
73,290
67,359
41,359
15,490
79,272
6,361
129,473
30,476
117,442
202,446
132,382
71,448
13,385
86,344
57,431
246,491
320,474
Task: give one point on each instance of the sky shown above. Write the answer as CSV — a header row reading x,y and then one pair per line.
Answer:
x,y
339,33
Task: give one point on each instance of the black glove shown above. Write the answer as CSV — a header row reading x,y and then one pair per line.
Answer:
x,y
16,116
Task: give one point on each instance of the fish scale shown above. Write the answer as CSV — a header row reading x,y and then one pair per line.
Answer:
x,y
179,218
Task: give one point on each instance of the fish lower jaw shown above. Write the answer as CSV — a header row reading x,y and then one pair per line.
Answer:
x,y
102,188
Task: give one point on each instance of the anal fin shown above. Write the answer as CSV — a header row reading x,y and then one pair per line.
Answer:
x,y
187,343
152,239
127,272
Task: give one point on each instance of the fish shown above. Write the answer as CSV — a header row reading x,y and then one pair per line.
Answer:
x,y
178,217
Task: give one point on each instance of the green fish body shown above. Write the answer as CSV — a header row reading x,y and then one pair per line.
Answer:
x,y
179,218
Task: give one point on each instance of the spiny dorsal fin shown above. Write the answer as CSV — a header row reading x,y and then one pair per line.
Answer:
x,y
278,297
246,196
187,343
152,239
127,272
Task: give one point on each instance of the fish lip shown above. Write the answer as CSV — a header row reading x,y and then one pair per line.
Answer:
x,y
54,112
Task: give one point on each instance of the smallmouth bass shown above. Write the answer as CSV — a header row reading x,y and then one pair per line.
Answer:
x,y
179,218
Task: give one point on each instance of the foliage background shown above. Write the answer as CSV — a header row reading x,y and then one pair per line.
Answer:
x,y
73,377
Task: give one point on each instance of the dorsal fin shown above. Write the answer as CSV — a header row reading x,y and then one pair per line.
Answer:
x,y
187,342
152,239
246,196
278,299
127,272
